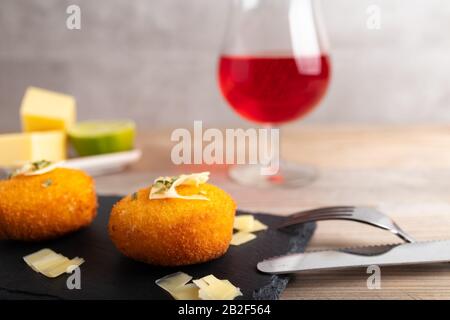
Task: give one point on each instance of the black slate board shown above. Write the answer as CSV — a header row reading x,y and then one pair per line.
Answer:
x,y
107,274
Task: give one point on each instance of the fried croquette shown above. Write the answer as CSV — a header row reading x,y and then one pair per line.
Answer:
x,y
46,206
173,232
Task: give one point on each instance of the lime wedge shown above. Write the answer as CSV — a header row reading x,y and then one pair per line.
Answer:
x,y
98,137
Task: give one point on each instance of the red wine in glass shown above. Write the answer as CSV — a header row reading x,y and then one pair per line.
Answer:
x,y
274,68
273,89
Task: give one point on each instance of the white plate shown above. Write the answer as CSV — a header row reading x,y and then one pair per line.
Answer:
x,y
97,165
104,163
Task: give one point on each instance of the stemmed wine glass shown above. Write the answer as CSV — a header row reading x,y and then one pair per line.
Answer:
x,y
274,68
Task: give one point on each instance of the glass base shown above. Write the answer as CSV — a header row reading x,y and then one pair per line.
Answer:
x,y
290,175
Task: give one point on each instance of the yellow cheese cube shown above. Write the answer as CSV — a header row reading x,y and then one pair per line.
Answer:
x,y
44,110
20,148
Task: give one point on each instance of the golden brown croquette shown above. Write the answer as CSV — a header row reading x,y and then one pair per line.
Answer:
x,y
173,232
46,206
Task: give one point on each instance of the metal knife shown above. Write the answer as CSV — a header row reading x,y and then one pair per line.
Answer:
x,y
385,255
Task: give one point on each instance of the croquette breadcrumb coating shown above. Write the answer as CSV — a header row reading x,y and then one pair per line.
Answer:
x,y
173,232
46,206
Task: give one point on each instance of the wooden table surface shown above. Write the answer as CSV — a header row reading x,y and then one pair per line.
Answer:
x,y
404,171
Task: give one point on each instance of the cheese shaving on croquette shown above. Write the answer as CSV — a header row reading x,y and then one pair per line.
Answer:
x,y
35,168
166,187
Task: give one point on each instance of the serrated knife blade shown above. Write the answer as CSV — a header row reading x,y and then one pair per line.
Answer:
x,y
389,255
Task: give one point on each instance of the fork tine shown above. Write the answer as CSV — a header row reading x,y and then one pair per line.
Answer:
x,y
367,215
302,219
322,210
318,214
334,208
315,216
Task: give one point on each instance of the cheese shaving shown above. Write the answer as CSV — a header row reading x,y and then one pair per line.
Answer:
x,y
201,283
173,281
218,289
65,267
31,259
35,168
244,222
165,187
186,292
241,237
51,264
248,223
50,261
206,288
258,226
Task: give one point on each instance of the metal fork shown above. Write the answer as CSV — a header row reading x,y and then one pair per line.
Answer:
x,y
365,215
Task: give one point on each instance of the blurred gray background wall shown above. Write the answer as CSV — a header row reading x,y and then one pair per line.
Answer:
x,y
155,60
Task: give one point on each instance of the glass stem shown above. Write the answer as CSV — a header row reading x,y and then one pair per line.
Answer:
x,y
273,154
